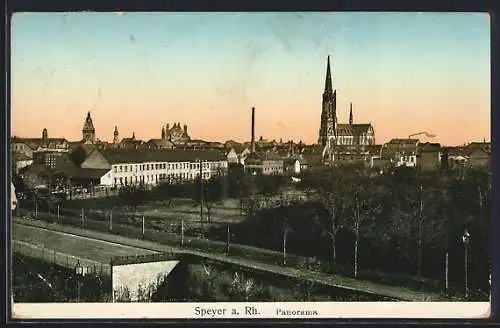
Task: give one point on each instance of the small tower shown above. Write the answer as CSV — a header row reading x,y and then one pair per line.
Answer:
x,y
88,131
185,129
45,134
350,116
163,134
115,136
133,135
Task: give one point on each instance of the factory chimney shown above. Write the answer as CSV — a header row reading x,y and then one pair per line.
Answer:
x,y
253,129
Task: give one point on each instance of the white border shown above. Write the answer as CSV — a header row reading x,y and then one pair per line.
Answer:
x,y
303,310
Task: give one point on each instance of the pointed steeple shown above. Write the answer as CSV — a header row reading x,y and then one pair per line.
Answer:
x,y
328,79
88,130
350,116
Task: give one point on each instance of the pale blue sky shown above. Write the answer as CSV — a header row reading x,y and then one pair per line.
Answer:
x,y
402,71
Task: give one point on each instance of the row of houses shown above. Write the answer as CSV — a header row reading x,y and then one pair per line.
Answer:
x,y
91,165
88,165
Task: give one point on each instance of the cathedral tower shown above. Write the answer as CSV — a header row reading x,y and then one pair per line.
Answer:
x,y
45,134
327,131
88,130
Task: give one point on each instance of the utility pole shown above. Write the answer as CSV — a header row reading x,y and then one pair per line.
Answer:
x,y
201,198
182,232
57,213
466,241
143,227
284,245
111,220
228,240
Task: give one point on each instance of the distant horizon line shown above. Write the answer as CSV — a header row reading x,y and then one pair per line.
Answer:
x,y
263,140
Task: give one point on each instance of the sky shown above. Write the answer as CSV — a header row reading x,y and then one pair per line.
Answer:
x,y
403,72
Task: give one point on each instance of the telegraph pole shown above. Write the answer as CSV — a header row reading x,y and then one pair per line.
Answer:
x,y
182,232
228,240
201,197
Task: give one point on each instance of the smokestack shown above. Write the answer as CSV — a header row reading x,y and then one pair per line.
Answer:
x,y
253,129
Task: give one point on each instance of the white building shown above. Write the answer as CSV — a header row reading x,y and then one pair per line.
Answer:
x,y
408,160
150,167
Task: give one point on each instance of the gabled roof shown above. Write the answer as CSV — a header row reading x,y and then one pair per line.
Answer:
x,y
291,160
429,147
17,156
39,142
263,156
403,142
79,154
239,149
161,143
486,146
114,156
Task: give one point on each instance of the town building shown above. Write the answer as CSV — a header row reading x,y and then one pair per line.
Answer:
x,y
131,143
48,157
265,163
292,165
401,152
20,161
151,167
429,157
332,133
27,146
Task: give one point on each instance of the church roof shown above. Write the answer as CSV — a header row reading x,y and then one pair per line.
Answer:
x,y
352,129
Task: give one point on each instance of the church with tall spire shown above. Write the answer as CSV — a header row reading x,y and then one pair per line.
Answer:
x,y
331,132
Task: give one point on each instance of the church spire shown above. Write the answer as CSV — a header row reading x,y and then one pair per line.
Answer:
x,y
328,79
350,116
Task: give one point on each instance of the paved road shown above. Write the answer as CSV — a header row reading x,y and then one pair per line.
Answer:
x,y
88,248
397,293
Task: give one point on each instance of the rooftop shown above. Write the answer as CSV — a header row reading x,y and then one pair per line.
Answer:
x,y
114,156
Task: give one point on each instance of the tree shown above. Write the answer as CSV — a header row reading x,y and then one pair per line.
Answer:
x,y
133,196
424,209
214,190
364,207
331,191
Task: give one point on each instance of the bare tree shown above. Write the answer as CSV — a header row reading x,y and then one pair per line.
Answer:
x,y
331,193
424,217
364,207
